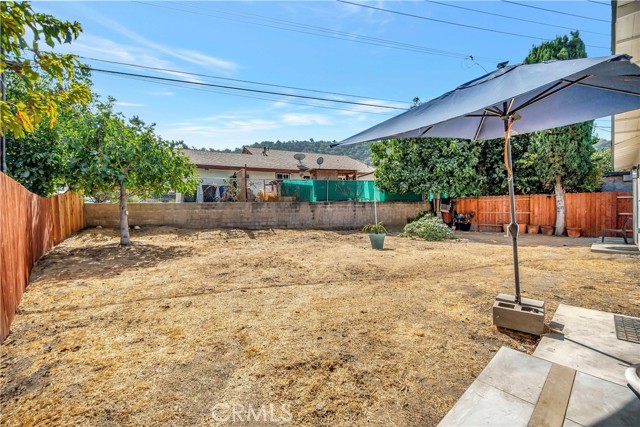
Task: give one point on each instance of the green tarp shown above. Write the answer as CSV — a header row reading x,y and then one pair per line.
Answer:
x,y
363,191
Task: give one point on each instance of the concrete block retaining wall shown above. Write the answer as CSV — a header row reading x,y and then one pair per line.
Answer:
x,y
258,215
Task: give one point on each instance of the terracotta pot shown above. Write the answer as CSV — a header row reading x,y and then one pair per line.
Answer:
x,y
533,229
573,232
547,230
522,228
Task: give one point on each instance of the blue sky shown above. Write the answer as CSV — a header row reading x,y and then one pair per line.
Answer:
x,y
254,41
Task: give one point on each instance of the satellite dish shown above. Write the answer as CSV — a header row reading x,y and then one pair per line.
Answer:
x,y
302,167
299,156
320,160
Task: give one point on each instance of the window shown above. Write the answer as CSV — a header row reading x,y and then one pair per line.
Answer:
x,y
282,176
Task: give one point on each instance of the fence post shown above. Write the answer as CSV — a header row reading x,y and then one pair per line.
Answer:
x,y
327,189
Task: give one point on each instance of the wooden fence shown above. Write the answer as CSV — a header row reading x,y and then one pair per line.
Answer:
x,y
30,225
591,212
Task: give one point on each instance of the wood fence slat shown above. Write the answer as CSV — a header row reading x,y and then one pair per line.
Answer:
x,y
591,212
30,226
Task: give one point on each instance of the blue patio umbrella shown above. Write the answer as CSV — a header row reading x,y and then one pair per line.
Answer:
x,y
519,99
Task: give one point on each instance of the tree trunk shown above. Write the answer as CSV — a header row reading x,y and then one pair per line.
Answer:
x,y
124,218
559,190
436,205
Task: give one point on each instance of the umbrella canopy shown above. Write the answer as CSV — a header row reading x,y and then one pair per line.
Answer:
x,y
544,96
520,99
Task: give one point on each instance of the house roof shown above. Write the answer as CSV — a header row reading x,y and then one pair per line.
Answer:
x,y
277,160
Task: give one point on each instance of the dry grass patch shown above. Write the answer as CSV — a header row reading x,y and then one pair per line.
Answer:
x,y
343,335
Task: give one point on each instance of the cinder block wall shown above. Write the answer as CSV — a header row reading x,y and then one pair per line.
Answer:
x,y
258,215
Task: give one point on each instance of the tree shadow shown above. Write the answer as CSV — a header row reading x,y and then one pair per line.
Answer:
x,y
105,261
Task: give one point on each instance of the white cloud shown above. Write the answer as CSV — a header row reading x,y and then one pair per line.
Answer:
x,y
301,119
127,104
162,93
191,56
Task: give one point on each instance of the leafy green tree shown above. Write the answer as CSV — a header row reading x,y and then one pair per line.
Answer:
x,y
602,163
426,165
563,155
493,175
108,155
37,159
21,55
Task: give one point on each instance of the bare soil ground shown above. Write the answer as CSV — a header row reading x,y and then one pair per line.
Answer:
x,y
160,333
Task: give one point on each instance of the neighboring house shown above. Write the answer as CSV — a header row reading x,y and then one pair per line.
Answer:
x,y
257,168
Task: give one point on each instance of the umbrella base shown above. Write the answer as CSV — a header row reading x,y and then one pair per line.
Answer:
x,y
528,316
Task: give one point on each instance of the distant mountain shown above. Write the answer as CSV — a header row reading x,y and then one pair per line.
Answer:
x,y
602,144
356,151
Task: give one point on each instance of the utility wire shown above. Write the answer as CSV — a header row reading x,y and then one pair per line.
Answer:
x,y
235,80
513,17
320,31
555,11
186,86
314,98
491,30
599,2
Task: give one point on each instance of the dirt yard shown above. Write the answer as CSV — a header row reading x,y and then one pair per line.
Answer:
x,y
186,326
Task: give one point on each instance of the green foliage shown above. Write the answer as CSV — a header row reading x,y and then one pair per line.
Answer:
x,y
561,48
377,228
420,215
493,174
37,159
428,227
23,58
426,165
563,154
602,163
105,152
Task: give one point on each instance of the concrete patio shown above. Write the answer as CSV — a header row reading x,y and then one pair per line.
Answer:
x,y
574,378
615,245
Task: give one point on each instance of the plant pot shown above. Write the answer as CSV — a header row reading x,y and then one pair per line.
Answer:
x,y
573,232
522,228
547,230
377,240
533,229
463,227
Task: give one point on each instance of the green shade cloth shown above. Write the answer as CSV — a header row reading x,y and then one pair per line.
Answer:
x,y
363,191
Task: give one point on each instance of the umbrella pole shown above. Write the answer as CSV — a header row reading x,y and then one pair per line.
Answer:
x,y
513,226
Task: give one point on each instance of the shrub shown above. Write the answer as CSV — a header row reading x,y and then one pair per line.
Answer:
x,y
428,227
420,215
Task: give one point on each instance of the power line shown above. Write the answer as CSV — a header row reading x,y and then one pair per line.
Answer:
x,y
455,23
599,2
555,11
234,80
514,18
314,98
184,86
322,32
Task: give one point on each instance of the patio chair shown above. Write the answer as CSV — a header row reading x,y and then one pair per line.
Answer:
x,y
618,231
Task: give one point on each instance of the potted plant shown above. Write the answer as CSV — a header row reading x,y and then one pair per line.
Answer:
x,y
574,231
547,230
462,222
376,233
533,229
